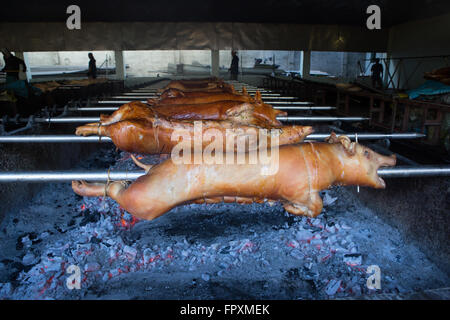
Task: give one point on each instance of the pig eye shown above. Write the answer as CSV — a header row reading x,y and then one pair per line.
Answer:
x,y
366,153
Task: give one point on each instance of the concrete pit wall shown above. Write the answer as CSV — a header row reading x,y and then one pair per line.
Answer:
x,y
419,209
34,157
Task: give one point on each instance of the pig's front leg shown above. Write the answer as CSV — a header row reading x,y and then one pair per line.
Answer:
x,y
310,206
90,129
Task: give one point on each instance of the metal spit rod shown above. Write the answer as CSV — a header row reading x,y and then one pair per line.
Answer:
x,y
280,118
63,176
235,88
264,96
321,119
106,109
292,102
96,139
271,102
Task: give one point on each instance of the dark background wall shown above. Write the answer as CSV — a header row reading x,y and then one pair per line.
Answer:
x,y
340,64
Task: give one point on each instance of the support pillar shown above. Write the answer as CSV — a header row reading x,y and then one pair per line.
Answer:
x,y
215,63
306,65
24,57
120,65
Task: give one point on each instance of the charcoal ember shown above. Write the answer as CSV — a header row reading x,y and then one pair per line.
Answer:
x,y
323,258
225,250
303,235
95,240
147,254
205,277
106,277
130,253
58,228
328,200
110,242
23,242
293,244
346,227
91,267
296,254
338,249
85,247
331,240
185,253
118,242
316,222
28,259
308,265
332,229
356,290
353,259
114,272
44,235
332,287
312,274
6,290
52,264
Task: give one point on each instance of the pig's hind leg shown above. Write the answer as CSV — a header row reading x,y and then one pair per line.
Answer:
x,y
310,206
112,190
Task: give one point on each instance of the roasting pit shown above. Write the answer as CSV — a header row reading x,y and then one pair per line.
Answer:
x,y
218,251
202,251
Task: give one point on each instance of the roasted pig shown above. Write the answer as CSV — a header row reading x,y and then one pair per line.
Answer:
x,y
303,171
147,131
245,113
193,86
175,96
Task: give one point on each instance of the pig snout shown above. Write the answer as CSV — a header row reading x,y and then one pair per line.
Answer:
x,y
383,161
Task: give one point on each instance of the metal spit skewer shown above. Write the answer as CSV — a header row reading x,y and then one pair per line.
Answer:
x,y
280,118
146,96
102,175
107,109
145,101
320,119
96,139
235,88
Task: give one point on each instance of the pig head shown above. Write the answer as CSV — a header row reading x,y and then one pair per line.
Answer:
x,y
355,164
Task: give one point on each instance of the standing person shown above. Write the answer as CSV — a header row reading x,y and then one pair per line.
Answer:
x,y
234,68
13,66
92,73
377,72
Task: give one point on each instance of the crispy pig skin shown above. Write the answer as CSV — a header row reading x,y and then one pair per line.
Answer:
x,y
257,114
212,85
153,135
304,170
176,96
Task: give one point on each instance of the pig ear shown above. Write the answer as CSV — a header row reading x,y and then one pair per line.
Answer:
x,y
349,147
258,97
347,144
244,91
332,138
345,141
